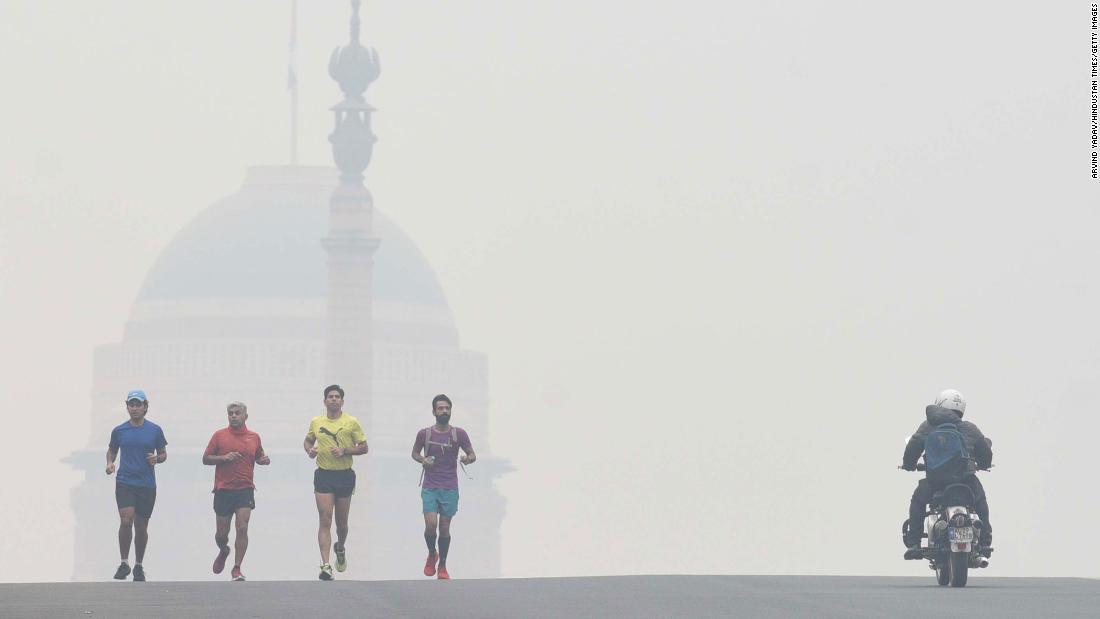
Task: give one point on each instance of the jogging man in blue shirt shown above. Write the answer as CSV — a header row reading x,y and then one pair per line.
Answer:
x,y
143,447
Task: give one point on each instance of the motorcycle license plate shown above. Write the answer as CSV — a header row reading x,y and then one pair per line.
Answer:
x,y
960,534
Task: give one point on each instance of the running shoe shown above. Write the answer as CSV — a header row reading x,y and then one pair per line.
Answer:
x,y
139,573
123,571
326,572
443,575
429,565
236,573
341,557
219,561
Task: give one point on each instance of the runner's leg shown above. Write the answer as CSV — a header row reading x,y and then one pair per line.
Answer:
x,y
141,537
125,531
221,532
431,522
325,503
444,538
244,514
342,508
221,539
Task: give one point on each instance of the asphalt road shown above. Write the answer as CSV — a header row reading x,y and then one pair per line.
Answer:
x,y
625,596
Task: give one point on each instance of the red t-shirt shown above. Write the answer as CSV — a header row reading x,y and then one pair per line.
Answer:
x,y
235,475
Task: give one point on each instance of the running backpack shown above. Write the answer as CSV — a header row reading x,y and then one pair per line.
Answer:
x,y
945,456
428,442
444,446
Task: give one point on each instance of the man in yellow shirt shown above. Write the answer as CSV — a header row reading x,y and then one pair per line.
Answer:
x,y
333,439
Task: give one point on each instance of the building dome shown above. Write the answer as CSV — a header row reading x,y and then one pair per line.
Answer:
x,y
256,256
264,241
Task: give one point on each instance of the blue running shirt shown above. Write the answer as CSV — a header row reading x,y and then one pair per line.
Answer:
x,y
134,443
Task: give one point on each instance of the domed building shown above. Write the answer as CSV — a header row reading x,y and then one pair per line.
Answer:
x,y
293,283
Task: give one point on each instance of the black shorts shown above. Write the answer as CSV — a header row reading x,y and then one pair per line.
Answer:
x,y
141,498
227,502
341,483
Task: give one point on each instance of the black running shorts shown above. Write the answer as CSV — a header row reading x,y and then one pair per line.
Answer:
x,y
227,502
341,483
141,498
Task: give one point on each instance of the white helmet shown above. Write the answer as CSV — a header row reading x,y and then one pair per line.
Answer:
x,y
951,399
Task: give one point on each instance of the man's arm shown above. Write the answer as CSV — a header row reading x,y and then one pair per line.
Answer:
x,y
211,455
112,453
468,448
418,446
232,456
261,456
161,454
915,447
357,450
983,449
156,458
359,443
310,446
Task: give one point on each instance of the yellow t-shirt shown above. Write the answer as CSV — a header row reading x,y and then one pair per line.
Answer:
x,y
344,432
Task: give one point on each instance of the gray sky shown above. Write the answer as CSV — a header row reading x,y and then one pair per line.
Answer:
x,y
720,255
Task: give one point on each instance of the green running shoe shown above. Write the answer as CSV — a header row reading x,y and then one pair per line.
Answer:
x,y
326,572
341,557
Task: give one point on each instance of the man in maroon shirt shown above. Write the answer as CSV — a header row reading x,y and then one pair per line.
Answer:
x,y
235,451
436,449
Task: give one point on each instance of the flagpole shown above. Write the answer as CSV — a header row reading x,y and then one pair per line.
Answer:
x,y
292,82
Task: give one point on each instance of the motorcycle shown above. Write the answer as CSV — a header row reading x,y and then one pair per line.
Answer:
x,y
952,529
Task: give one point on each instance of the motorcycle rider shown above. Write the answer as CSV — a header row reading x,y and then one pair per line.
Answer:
x,y
948,408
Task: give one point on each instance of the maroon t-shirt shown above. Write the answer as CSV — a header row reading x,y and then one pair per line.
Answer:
x,y
235,475
444,473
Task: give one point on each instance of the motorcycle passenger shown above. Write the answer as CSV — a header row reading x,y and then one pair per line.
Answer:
x,y
948,408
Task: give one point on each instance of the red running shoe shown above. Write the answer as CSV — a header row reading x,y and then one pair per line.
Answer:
x,y
237,575
443,575
219,561
429,565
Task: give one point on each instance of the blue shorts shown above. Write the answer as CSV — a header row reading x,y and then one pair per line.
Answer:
x,y
441,500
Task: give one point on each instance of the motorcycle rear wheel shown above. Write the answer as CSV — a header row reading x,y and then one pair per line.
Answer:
x,y
943,573
960,563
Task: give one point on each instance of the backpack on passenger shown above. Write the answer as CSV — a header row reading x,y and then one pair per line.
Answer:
x,y
945,456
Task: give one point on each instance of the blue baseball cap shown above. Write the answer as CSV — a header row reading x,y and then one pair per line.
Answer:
x,y
136,394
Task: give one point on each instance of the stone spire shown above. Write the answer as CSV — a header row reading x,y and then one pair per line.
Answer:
x,y
350,243
354,67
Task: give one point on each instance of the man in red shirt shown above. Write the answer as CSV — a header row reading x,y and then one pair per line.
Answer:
x,y
235,451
